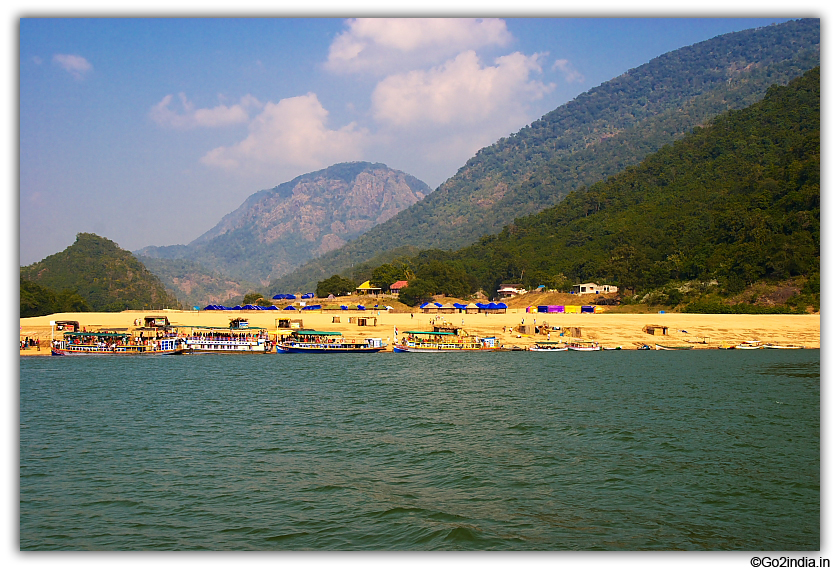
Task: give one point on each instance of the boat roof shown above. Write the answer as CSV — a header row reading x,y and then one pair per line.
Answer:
x,y
429,332
98,334
227,329
316,333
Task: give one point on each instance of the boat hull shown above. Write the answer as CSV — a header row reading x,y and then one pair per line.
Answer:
x,y
328,349
666,347
442,349
94,352
222,347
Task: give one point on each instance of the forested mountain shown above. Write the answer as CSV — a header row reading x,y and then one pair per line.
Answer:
x,y
598,134
276,230
96,271
731,204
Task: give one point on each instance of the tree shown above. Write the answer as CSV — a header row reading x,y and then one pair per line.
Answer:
x,y
389,273
335,285
252,299
418,291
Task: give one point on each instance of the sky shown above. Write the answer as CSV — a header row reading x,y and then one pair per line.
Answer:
x,y
149,130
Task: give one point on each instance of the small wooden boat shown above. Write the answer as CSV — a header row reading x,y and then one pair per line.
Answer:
x,y
674,346
583,346
548,346
327,342
783,346
749,345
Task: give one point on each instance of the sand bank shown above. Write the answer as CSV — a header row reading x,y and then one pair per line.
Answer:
x,y
619,329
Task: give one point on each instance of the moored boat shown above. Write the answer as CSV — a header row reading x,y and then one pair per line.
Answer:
x,y
450,340
326,342
674,346
227,340
114,344
548,346
749,345
783,346
584,346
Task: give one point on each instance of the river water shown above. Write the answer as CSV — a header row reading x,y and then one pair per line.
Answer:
x,y
623,450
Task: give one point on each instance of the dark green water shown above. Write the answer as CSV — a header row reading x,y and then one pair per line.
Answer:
x,y
700,450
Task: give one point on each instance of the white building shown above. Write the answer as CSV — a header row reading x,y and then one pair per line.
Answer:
x,y
590,288
507,290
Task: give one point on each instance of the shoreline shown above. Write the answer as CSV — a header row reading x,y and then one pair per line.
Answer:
x,y
703,331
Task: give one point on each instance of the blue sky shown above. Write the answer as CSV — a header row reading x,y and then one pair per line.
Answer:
x,y
147,130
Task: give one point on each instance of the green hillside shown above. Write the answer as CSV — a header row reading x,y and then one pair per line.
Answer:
x,y
95,269
730,205
598,134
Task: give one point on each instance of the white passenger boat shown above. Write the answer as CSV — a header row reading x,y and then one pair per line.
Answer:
x,y
227,341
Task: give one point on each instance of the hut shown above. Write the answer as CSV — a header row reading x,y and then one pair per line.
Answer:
x,y
526,329
447,308
156,322
576,332
655,330
288,323
395,288
367,289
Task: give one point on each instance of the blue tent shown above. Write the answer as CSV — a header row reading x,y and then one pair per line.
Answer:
x,y
290,308
308,296
360,307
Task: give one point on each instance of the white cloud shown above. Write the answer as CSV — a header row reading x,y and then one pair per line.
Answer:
x,y
190,117
461,92
572,75
75,65
290,135
383,45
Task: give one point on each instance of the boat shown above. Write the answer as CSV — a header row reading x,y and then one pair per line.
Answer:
x,y
584,346
783,346
114,344
673,346
749,345
248,340
450,340
548,346
321,342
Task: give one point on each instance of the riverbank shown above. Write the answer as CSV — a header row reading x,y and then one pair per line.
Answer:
x,y
610,330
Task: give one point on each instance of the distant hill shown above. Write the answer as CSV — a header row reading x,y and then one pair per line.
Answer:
x,y
276,230
598,134
106,277
728,206
196,285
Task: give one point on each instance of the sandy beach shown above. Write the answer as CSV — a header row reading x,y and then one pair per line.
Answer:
x,y
610,330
